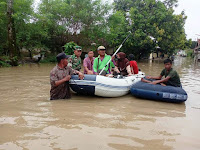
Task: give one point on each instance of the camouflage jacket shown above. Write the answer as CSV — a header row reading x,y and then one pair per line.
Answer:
x,y
75,62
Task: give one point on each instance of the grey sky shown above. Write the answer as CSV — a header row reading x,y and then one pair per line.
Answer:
x,y
191,8
192,25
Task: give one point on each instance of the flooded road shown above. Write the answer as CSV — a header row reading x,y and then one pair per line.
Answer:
x,y
29,120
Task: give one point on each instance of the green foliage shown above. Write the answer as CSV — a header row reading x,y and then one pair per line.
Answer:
x,y
3,27
57,22
188,43
5,61
81,21
5,58
116,24
190,52
4,64
153,23
193,45
171,3
49,59
69,48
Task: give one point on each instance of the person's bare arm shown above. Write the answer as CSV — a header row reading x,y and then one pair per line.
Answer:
x,y
85,67
88,71
161,81
67,78
80,75
128,68
116,69
157,78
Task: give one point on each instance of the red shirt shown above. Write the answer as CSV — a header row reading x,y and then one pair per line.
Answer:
x,y
134,67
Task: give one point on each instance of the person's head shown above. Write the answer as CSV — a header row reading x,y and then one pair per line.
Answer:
x,y
101,50
90,54
62,59
131,57
77,51
168,64
121,55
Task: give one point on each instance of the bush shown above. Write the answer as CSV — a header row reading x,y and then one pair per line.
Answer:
x,y
189,53
4,64
49,59
5,61
69,48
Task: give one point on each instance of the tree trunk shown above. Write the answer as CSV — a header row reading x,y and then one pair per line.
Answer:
x,y
157,52
30,54
11,34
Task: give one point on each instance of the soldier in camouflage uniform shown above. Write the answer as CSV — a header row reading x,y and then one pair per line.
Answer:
x,y
75,59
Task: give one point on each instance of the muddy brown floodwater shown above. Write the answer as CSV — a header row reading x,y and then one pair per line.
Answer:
x,y
30,121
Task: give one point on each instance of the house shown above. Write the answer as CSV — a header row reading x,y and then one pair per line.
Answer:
x,y
158,53
181,53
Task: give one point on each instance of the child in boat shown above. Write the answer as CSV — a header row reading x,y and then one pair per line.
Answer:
x,y
133,64
171,76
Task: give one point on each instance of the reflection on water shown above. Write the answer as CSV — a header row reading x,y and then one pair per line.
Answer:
x,y
28,120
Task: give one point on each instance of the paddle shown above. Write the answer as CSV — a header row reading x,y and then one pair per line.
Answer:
x,y
115,53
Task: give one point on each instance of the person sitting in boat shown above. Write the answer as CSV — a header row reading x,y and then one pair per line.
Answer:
x,y
133,64
75,59
171,76
88,63
122,64
101,61
60,76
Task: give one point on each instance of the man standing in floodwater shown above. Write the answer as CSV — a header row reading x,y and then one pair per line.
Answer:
x,y
59,78
171,76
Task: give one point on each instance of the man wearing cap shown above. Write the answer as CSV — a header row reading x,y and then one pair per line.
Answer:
x,y
101,61
59,78
75,59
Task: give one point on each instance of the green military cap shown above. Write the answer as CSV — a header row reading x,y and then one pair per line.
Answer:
x,y
79,48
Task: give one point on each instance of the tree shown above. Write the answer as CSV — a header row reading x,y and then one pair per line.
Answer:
x,y
171,3
193,45
153,23
57,22
116,28
69,48
13,22
22,18
189,43
3,27
11,33
80,21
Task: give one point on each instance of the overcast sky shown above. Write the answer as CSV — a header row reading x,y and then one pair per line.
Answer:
x,y
192,11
